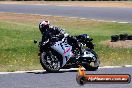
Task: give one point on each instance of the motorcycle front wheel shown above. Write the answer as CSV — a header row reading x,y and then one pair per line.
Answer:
x,y
93,65
50,62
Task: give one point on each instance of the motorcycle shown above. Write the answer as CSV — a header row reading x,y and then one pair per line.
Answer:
x,y
64,53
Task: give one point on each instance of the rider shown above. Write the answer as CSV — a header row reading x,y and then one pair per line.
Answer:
x,y
48,31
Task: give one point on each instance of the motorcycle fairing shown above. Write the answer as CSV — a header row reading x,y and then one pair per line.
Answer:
x,y
64,49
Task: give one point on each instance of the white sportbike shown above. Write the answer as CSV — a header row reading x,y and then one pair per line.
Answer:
x,y
65,53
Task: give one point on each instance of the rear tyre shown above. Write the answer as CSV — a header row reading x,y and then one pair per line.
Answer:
x,y
90,68
50,61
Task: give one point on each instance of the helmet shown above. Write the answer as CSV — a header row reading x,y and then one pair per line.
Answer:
x,y
43,26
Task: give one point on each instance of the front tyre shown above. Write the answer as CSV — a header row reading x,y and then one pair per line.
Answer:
x,y
50,61
94,64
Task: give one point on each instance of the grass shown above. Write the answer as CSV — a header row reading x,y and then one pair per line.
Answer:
x,y
17,32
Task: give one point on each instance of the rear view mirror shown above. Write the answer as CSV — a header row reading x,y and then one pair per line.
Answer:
x,y
34,41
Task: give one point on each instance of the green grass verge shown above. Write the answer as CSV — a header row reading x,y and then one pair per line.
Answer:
x,y
17,51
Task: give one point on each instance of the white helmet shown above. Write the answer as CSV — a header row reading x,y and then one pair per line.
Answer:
x,y
44,25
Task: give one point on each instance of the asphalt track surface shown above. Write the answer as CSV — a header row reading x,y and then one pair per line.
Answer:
x,y
98,13
65,79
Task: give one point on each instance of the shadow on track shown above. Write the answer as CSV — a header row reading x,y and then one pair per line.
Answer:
x,y
45,72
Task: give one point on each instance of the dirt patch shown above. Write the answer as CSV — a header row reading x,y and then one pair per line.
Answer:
x,y
31,19
75,3
118,44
